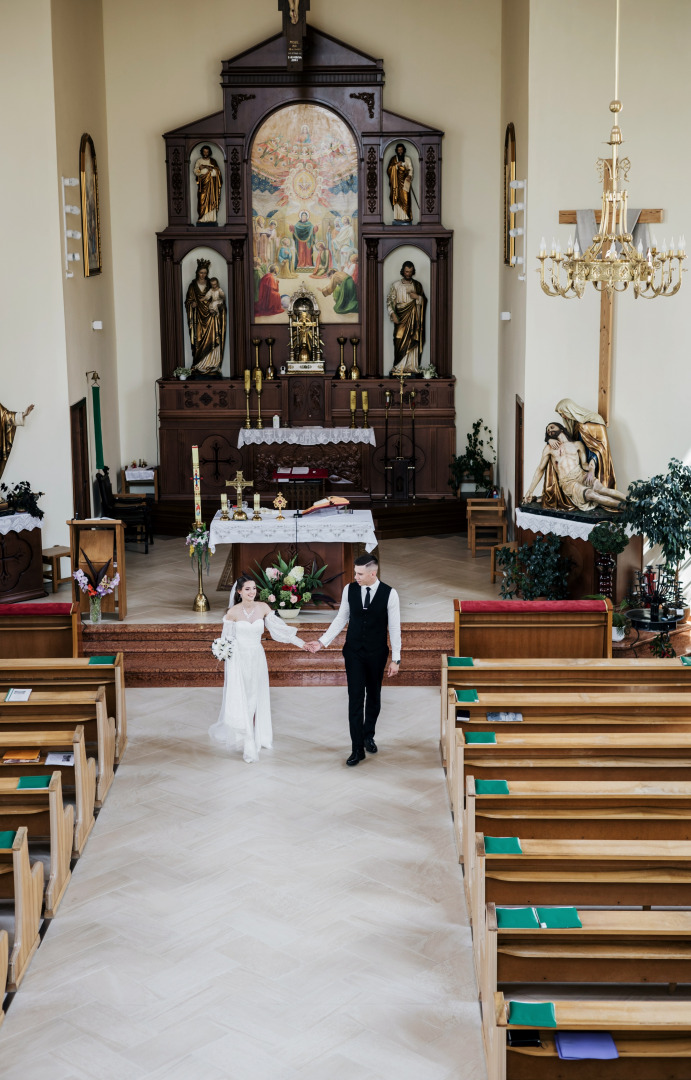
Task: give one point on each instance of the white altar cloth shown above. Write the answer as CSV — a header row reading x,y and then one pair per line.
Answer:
x,y
543,523
18,522
327,525
139,474
306,436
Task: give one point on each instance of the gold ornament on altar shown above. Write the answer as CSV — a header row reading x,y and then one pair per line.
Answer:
x,y
239,483
612,263
280,504
306,344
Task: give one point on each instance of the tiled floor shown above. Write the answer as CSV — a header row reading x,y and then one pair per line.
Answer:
x,y
288,920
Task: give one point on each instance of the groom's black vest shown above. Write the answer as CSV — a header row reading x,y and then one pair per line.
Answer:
x,y
367,629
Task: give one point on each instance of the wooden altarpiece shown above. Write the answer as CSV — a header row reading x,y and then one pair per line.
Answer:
x,y
210,412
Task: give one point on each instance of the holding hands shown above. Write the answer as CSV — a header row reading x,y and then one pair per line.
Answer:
x,y
313,646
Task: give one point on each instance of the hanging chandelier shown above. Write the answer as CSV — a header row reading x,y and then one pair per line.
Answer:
x,y
612,262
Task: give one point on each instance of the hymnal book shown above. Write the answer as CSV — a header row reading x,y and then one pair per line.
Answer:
x,y
503,845
559,918
329,503
460,661
504,717
585,1045
469,696
491,787
60,759
21,757
15,694
532,1014
520,918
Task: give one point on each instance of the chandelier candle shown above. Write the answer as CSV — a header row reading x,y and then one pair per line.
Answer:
x,y
197,487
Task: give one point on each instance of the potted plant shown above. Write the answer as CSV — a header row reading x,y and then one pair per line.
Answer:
x,y
474,463
534,571
428,372
609,539
285,587
182,373
621,624
20,499
660,508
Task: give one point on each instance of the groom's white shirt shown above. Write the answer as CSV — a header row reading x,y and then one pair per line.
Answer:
x,y
394,616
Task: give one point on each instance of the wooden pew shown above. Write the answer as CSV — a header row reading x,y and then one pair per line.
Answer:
x,y
583,810
45,709
653,1039
38,630
4,960
79,779
46,818
519,628
76,673
23,884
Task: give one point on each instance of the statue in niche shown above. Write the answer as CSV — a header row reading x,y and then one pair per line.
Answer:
x,y
9,422
575,462
209,184
206,320
407,306
400,173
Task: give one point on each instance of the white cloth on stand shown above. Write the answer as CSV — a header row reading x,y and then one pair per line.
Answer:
x,y
244,722
339,528
557,526
18,523
139,474
306,436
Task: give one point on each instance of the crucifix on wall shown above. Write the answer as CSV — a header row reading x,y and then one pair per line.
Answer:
x,y
294,30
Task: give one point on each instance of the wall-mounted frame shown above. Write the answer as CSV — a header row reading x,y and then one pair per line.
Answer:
x,y
91,223
509,175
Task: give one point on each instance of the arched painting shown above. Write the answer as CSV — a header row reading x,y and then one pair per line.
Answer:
x,y
304,213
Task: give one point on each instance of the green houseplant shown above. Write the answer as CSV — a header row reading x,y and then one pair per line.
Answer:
x,y
609,539
660,508
534,571
20,499
474,463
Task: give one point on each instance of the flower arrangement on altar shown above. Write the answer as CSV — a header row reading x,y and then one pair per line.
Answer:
x,y
222,648
97,584
198,542
286,585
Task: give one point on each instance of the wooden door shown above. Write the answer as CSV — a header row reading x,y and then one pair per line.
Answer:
x,y
518,455
80,460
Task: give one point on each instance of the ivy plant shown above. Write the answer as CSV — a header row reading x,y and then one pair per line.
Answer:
x,y
534,570
476,460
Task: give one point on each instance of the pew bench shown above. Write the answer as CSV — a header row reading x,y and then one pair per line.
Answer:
x,y
78,780
47,709
21,884
47,819
39,630
653,1040
77,673
520,628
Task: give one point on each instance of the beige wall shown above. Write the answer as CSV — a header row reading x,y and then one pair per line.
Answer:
x,y
163,62
569,122
80,106
32,343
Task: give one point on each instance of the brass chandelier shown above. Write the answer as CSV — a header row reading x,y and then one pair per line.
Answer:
x,y
612,263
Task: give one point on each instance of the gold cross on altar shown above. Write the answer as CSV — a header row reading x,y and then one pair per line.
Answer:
x,y
568,217
239,483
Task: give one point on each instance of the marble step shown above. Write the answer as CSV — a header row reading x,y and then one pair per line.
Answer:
x,y
179,654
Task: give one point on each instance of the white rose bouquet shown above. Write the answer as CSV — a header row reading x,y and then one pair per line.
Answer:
x,y
222,648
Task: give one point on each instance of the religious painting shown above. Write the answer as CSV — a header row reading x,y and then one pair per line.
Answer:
x,y
91,225
304,213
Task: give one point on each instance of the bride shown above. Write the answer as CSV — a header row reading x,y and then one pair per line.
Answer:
x,y
244,722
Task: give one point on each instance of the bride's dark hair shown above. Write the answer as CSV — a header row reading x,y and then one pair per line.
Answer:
x,y
239,586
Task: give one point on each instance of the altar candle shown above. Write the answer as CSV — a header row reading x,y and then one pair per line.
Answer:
x,y
365,401
256,502
247,381
353,400
277,421
195,455
224,503
258,379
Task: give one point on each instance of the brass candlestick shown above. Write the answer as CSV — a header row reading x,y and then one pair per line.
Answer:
x,y
355,370
342,370
248,388
270,371
258,388
280,505
353,407
256,342
365,408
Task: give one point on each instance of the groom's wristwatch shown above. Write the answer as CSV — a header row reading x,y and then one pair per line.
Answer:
x,y
395,661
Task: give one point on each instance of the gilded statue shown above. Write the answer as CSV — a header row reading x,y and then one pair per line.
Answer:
x,y
407,304
9,422
206,320
209,184
304,330
400,173
572,467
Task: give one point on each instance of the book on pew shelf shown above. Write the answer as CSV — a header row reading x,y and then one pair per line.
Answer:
x,y
686,660
17,694
526,1037
518,918
479,737
7,839
559,918
469,696
26,782
102,659
491,787
585,1045
532,1014
21,757
57,758
504,717
460,661
503,845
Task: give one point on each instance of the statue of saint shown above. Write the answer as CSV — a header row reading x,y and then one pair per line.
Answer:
x,y
400,173
9,422
591,429
209,184
407,304
206,319
570,481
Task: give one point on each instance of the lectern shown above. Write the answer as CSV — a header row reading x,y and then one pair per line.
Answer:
x,y
100,539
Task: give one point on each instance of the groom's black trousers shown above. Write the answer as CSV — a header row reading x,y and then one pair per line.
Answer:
x,y
365,671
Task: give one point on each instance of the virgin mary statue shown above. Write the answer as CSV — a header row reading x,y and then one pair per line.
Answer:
x,y
206,320
591,429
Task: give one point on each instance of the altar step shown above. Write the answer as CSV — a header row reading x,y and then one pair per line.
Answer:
x,y
179,654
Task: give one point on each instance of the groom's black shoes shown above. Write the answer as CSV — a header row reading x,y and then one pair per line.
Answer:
x,y
357,755
370,746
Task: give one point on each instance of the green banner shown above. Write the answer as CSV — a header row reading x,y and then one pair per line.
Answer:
x,y
98,434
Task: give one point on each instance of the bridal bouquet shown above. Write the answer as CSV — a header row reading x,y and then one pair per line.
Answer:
x,y
222,648
286,585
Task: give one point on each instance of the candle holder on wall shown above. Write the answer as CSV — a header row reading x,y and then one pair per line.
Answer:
x,y
256,342
342,369
271,370
355,370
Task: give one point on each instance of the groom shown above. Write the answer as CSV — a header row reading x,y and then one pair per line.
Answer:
x,y
370,608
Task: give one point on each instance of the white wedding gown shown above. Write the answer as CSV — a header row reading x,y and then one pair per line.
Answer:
x,y
244,722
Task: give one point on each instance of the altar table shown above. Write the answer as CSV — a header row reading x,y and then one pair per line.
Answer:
x,y
323,537
305,436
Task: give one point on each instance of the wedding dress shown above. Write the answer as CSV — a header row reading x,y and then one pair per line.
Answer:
x,y
244,722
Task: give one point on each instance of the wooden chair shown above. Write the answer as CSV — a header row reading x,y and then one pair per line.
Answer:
x,y
51,559
135,511
512,545
47,819
23,884
78,780
487,525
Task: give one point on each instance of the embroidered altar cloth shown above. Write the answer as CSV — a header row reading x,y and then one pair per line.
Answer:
x,y
18,522
306,436
558,526
326,525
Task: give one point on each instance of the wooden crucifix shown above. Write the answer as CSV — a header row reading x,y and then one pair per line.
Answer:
x,y
568,217
294,30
